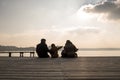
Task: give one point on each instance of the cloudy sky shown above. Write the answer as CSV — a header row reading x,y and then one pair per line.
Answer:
x,y
87,23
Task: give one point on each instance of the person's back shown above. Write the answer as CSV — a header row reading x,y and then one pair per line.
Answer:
x,y
42,49
69,50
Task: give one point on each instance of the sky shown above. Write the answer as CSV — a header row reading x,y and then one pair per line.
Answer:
x,y
87,23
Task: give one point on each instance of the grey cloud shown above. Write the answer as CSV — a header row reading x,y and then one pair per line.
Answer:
x,y
109,7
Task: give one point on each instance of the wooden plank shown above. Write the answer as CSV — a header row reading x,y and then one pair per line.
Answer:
x,y
83,68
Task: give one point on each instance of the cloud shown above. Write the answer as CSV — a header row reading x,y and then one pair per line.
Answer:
x,y
109,9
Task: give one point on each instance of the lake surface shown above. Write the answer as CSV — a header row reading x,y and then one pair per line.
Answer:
x,y
86,53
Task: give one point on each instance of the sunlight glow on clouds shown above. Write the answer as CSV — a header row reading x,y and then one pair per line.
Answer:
x,y
83,15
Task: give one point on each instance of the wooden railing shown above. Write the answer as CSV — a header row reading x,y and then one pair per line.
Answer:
x,y
32,53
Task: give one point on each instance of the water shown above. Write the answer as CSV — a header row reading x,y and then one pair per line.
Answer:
x,y
80,53
99,53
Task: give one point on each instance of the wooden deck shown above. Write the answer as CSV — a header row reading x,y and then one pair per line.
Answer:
x,y
82,68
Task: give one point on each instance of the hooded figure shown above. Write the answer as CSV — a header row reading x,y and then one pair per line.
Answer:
x,y
69,50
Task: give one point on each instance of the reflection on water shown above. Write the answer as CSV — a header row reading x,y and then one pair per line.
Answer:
x,y
99,53
80,53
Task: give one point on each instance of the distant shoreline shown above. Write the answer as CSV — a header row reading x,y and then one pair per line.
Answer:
x,y
14,48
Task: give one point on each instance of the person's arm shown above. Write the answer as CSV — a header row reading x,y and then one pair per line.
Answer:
x,y
75,49
47,49
59,47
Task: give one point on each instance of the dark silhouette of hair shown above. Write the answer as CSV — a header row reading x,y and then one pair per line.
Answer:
x,y
43,40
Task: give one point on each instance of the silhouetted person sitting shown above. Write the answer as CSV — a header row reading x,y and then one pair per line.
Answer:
x,y
54,51
69,50
42,49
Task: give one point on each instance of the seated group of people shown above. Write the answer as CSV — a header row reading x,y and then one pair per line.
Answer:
x,y
69,50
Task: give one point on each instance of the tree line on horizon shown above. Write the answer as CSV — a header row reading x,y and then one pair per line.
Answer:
x,y
14,48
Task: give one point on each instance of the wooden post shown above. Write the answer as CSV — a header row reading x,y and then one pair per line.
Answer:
x,y
21,54
32,54
9,54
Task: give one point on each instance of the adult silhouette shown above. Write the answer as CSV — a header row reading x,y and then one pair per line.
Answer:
x,y
69,50
42,49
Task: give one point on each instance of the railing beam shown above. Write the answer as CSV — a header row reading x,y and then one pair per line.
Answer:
x,y
32,54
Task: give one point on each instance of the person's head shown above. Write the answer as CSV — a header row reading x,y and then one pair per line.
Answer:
x,y
68,41
52,45
43,40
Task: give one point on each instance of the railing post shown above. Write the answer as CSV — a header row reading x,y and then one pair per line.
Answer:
x,y
32,54
21,54
9,54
